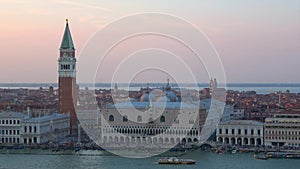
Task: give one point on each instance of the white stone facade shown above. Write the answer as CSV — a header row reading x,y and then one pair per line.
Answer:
x,y
10,127
240,132
283,130
44,129
18,128
153,127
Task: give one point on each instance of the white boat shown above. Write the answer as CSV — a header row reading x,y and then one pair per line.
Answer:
x,y
174,160
233,151
90,152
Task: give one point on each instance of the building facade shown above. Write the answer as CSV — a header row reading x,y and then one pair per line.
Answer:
x,y
151,127
283,130
44,129
20,128
67,78
10,127
153,121
240,132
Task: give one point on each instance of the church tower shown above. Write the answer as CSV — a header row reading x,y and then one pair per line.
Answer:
x,y
67,78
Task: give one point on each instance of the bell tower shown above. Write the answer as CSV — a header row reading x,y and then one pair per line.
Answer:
x,y
67,78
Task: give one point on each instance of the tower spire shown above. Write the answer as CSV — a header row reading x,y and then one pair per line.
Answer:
x,y
67,42
168,87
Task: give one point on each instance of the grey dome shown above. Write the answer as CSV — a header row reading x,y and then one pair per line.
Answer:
x,y
163,99
171,95
147,97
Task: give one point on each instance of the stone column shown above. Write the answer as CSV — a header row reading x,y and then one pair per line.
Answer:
x,y
38,140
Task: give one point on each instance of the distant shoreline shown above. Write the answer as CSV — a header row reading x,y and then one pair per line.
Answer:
x,y
152,84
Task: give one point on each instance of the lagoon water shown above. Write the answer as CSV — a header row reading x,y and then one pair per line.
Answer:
x,y
204,160
260,88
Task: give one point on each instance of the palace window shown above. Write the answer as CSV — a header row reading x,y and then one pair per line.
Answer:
x,y
162,119
139,118
150,120
125,119
111,118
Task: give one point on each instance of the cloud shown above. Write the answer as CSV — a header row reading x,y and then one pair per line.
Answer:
x,y
40,11
84,5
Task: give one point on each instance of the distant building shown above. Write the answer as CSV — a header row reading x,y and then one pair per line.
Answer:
x,y
240,132
51,90
227,111
19,128
258,115
238,114
217,92
283,130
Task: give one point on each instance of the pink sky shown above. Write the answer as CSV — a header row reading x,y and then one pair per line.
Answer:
x,y
258,41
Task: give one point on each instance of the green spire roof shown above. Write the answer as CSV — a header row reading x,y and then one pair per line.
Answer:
x,y
67,42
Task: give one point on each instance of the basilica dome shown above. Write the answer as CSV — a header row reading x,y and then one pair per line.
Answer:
x,y
172,96
163,99
147,97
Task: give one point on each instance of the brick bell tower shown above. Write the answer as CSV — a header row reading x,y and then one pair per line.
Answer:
x,y
67,78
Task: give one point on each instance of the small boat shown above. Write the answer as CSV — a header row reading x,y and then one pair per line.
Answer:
x,y
220,151
234,151
174,160
260,158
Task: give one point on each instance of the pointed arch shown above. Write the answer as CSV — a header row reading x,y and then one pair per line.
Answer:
x,y
139,118
162,119
111,118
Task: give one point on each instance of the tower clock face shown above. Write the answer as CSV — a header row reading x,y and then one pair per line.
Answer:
x,y
65,54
